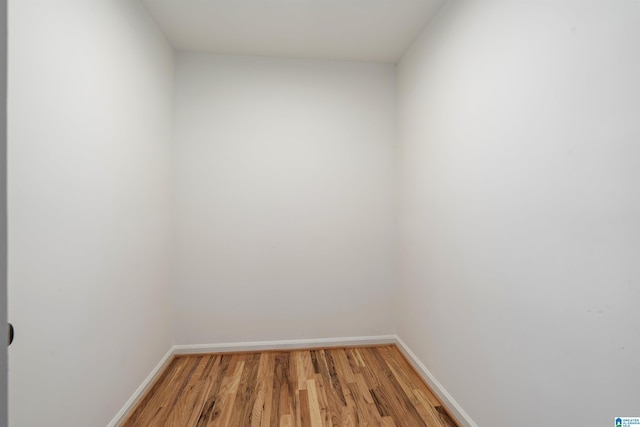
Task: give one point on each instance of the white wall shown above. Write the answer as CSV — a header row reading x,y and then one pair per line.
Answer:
x,y
519,211
283,186
90,87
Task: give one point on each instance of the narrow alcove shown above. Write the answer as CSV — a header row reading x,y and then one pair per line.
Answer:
x,y
455,178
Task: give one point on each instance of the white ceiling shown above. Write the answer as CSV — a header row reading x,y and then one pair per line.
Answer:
x,y
359,30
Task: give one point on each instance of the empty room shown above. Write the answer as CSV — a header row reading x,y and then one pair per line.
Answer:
x,y
321,213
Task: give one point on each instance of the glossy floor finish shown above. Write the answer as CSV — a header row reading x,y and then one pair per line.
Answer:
x,y
372,386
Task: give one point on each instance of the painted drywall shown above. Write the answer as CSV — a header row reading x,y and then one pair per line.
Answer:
x,y
283,199
519,231
90,102
337,30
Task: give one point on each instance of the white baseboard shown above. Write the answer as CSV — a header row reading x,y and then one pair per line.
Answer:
x,y
122,414
283,344
442,394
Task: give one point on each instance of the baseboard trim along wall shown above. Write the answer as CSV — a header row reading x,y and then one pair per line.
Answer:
x,y
447,400
131,403
283,345
444,396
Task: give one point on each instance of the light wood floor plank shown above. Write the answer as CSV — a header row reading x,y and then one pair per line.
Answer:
x,y
337,387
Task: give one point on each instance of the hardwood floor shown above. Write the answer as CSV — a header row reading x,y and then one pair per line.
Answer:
x,y
372,386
